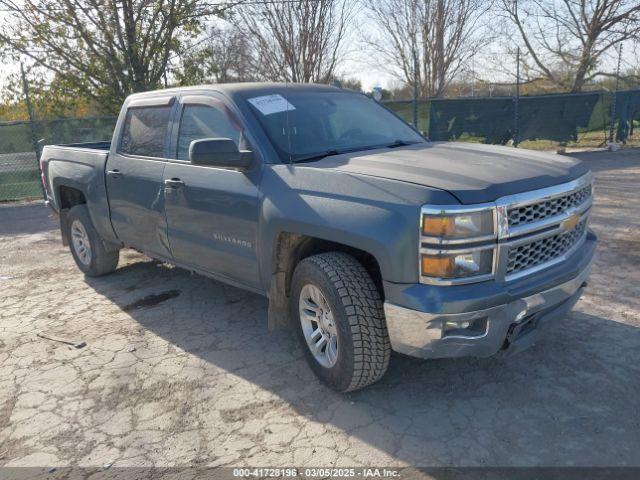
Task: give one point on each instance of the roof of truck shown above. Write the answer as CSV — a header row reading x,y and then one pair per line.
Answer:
x,y
243,88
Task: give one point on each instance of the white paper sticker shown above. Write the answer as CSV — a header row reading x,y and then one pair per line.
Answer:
x,y
269,104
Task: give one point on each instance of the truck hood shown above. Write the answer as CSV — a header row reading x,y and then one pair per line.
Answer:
x,y
473,173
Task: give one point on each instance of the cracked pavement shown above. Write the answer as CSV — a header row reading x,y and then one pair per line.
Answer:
x,y
181,370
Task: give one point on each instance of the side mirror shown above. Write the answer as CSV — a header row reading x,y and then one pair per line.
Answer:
x,y
219,152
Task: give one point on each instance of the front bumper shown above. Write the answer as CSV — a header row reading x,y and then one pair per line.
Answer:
x,y
506,327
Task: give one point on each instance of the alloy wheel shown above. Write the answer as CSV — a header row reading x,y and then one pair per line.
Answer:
x,y
318,326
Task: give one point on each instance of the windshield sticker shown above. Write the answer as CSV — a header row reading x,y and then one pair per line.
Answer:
x,y
269,104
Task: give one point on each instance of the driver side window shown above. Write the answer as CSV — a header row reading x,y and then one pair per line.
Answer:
x,y
201,121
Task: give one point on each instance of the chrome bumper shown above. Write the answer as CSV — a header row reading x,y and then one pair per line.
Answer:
x,y
510,327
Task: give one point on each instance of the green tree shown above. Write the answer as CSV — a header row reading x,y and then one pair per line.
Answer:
x,y
50,98
102,49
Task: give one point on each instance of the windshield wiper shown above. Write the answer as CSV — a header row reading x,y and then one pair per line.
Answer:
x,y
317,156
328,153
400,143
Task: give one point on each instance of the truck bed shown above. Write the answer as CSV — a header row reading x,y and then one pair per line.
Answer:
x,y
78,166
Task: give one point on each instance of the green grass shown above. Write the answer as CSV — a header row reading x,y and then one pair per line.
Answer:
x,y
593,139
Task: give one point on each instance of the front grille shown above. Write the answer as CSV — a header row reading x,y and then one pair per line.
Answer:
x,y
549,208
544,250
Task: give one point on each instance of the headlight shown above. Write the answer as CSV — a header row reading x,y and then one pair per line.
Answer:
x,y
450,265
457,243
465,225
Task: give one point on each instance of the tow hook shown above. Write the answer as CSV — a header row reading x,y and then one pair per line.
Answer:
x,y
516,330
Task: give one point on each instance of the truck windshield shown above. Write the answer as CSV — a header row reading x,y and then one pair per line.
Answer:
x,y
308,125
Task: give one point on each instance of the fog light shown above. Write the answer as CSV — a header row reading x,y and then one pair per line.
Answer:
x,y
453,325
465,328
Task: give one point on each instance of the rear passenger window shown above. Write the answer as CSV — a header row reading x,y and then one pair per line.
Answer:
x,y
199,121
145,130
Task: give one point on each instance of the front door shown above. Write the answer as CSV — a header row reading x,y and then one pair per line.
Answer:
x,y
212,213
134,179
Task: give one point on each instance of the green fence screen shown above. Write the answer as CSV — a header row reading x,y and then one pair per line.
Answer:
x,y
557,117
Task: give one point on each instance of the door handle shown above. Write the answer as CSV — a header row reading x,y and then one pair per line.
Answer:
x,y
174,183
115,173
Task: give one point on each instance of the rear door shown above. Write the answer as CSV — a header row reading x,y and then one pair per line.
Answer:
x,y
212,213
134,176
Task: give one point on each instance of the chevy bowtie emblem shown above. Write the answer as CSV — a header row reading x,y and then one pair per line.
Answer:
x,y
570,222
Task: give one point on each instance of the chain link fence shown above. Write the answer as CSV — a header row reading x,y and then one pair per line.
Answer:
x,y
19,170
557,118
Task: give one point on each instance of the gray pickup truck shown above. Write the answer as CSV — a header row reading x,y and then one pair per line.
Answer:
x,y
364,236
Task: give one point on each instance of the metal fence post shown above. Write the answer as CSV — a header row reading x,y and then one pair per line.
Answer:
x,y
614,99
516,103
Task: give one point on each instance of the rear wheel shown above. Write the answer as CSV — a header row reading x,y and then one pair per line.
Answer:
x,y
87,248
341,321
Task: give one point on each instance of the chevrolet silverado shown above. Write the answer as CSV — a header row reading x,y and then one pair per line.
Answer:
x,y
364,236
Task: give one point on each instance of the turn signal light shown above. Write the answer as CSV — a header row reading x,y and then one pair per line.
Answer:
x,y
438,226
468,225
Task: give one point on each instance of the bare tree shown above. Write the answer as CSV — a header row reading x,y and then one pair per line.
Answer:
x,y
565,40
230,55
301,41
223,57
428,41
104,49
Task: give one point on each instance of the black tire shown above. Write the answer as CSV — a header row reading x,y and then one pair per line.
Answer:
x,y
357,311
101,260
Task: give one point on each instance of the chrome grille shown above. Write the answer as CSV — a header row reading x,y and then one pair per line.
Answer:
x,y
548,208
538,252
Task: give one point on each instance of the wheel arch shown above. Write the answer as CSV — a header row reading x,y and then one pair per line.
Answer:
x,y
67,197
289,249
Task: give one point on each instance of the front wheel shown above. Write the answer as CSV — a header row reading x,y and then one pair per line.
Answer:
x,y
87,248
341,321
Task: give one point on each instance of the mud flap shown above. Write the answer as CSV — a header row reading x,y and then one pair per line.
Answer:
x,y
279,317
63,220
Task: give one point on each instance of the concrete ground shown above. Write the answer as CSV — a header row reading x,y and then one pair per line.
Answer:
x,y
179,369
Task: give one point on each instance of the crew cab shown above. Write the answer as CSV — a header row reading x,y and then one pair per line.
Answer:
x,y
364,236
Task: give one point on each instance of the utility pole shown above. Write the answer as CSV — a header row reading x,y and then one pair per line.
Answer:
x,y
614,98
212,47
473,76
415,87
516,104
32,124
